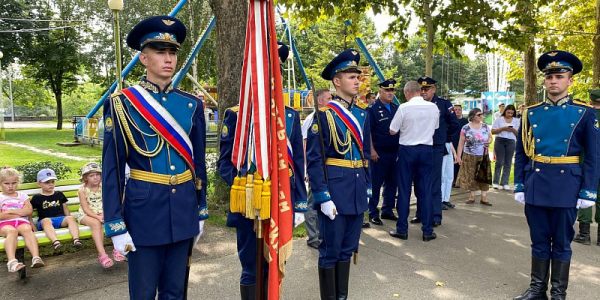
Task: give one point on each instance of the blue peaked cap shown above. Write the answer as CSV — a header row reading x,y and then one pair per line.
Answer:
x,y
388,84
425,81
559,62
284,51
160,31
346,61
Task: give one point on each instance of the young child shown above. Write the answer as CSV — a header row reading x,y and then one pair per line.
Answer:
x,y
90,210
52,209
15,209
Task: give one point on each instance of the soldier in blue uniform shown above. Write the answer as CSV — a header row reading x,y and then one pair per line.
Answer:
x,y
159,131
553,134
384,150
448,127
246,237
340,191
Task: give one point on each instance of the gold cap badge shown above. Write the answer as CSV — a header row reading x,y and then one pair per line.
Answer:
x,y
168,22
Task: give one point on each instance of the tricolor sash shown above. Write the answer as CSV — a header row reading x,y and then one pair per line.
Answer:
x,y
349,120
290,155
161,121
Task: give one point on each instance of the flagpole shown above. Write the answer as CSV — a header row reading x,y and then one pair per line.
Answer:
x,y
260,260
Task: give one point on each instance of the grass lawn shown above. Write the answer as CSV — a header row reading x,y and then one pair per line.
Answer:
x,y
46,139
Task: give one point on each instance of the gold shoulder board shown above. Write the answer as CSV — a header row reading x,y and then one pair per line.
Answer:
x,y
582,103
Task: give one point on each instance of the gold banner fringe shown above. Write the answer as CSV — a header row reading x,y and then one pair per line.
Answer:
x,y
257,192
241,199
250,213
265,211
233,196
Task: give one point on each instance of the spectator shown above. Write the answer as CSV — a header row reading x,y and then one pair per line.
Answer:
x,y
456,137
520,112
506,128
52,210
475,137
91,213
15,209
498,114
371,97
312,231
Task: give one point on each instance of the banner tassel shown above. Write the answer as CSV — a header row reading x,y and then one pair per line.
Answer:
x,y
241,199
258,187
233,195
250,214
265,211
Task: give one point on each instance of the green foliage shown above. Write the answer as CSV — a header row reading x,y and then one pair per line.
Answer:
x,y
12,43
29,170
82,99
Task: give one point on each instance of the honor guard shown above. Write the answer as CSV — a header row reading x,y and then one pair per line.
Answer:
x,y
338,151
384,150
246,237
549,179
159,132
584,216
448,127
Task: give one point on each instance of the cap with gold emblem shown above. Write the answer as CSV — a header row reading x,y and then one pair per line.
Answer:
x,y
425,81
346,61
559,62
158,32
389,84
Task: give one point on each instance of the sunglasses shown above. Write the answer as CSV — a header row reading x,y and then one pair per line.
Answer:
x,y
479,114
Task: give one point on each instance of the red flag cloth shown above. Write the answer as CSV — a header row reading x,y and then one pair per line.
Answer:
x,y
279,233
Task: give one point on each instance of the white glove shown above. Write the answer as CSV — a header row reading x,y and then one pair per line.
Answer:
x,y
328,208
123,243
520,197
583,204
298,218
197,238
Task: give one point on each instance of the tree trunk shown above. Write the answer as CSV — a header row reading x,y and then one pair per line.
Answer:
x,y
430,37
192,34
230,24
529,68
596,67
59,114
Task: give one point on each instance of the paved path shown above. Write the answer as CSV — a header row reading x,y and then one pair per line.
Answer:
x,y
481,253
29,124
46,152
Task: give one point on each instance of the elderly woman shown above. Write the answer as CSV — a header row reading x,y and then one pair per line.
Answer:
x,y
475,137
506,129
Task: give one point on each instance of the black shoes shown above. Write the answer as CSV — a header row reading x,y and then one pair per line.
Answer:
x,y
248,292
396,234
366,225
327,283
447,205
415,220
436,224
444,207
376,221
314,245
389,217
539,280
427,238
583,237
559,279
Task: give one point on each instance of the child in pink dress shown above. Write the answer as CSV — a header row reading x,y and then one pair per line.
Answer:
x,y
14,213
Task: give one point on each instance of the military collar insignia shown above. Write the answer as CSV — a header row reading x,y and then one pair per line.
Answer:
x,y
168,22
560,101
552,54
150,86
342,102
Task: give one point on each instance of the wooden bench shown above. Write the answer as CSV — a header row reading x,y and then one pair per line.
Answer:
x,y
69,188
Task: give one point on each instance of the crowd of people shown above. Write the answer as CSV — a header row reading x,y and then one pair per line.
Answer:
x,y
342,161
16,216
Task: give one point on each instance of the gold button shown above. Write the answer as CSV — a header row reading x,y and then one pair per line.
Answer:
x,y
173,191
172,167
362,114
564,107
164,98
190,105
572,125
562,155
537,170
531,113
290,115
580,111
562,171
534,125
565,140
540,154
356,175
538,140
546,108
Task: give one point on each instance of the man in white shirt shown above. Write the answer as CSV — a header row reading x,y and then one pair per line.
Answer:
x,y
416,121
323,97
498,114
